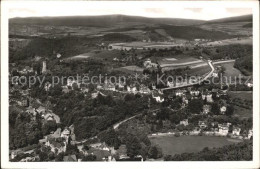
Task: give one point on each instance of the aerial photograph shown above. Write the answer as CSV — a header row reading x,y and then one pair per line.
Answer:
x,y
112,85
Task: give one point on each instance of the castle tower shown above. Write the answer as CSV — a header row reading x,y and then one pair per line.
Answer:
x,y
44,69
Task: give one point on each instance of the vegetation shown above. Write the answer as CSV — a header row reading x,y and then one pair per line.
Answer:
x,y
236,152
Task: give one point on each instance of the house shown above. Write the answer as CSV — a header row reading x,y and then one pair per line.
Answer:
x,y
148,64
94,95
24,102
84,89
99,87
223,129
236,131
223,109
57,145
202,124
47,86
207,96
194,92
180,92
157,97
70,158
184,122
15,153
249,85
41,110
32,111
66,134
101,155
206,109
215,74
131,89
109,86
250,134
170,84
185,100
48,117
144,89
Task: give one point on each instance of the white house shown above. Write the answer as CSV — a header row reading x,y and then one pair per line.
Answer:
x,y
223,109
236,131
184,122
223,129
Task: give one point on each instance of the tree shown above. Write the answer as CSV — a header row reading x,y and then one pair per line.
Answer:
x,y
195,106
48,127
133,146
215,108
153,152
230,110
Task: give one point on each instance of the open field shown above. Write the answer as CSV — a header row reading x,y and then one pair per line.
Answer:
x,y
141,45
232,28
172,145
242,113
199,71
247,95
242,41
242,104
130,69
230,70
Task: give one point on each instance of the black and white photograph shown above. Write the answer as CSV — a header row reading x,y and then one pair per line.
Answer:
x,y
142,83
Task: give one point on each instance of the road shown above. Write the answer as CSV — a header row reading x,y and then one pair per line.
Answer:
x,y
115,126
191,84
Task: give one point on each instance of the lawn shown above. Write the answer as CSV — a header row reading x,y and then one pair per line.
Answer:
x,y
230,70
172,145
241,101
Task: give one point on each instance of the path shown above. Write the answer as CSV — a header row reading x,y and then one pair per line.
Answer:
x,y
191,84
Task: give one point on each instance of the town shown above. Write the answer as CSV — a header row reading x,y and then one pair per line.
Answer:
x,y
176,85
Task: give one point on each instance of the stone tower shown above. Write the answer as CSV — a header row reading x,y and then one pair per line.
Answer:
x,y
44,69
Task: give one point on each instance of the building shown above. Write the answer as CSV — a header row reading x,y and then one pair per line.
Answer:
x,y
157,97
47,86
202,124
48,117
184,122
208,97
170,84
206,109
131,89
250,134
180,92
109,86
24,102
148,64
223,129
44,67
194,92
66,134
223,109
144,89
236,131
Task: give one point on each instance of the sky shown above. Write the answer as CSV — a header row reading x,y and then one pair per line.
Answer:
x,y
205,11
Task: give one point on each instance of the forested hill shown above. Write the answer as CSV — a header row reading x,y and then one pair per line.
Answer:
x,y
101,21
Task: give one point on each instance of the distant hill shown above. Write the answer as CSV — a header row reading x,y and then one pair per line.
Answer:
x,y
191,32
101,21
243,18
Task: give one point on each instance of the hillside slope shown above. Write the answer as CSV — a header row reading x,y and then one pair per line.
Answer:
x,y
104,20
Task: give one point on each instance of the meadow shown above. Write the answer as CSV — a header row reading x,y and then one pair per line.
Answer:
x,y
172,145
